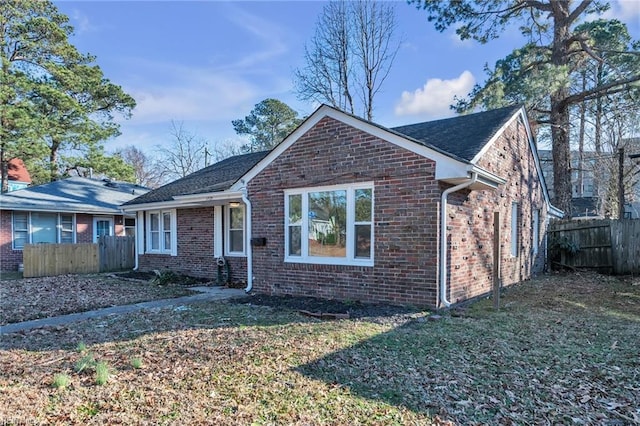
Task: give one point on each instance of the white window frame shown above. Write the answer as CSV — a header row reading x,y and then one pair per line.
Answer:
x,y
28,230
350,258
227,231
173,232
73,227
514,229
535,227
13,230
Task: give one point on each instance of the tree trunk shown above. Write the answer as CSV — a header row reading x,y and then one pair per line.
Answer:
x,y
53,160
559,117
583,110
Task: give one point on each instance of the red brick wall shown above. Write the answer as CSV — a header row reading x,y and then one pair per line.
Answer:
x,y
470,220
9,258
405,218
84,228
195,234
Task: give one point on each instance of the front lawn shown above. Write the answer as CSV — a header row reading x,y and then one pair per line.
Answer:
x,y
33,298
562,350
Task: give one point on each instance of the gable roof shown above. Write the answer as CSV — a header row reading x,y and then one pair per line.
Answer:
x,y
455,144
73,195
215,178
452,167
463,136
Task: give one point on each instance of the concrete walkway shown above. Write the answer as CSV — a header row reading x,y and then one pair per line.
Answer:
x,y
206,293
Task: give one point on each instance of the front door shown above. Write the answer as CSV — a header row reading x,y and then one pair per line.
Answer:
x,y
102,226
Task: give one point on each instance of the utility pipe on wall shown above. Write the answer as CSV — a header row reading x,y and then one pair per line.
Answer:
x,y
247,203
443,236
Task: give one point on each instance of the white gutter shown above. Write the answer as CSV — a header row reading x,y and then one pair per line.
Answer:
x,y
247,203
443,236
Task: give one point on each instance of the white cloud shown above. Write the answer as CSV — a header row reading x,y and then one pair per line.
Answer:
x,y
180,92
267,37
456,40
624,10
81,23
434,98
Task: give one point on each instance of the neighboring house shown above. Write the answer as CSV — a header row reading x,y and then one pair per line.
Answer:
x,y
73,210
17,174
344,208
585,202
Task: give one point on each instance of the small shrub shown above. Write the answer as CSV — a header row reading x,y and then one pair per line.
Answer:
x,y
61,381
166,277
85,363
81,347
88,410
136,363
102,373
563,244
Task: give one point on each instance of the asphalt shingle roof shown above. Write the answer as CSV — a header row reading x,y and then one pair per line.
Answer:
x,y
215,178
461,137
75,194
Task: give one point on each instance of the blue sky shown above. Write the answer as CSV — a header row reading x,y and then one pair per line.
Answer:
x,y
205,63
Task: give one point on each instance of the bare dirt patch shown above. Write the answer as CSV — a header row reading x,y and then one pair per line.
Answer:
x,y
33,298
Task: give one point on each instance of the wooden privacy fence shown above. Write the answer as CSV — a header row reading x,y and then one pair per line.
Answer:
x,y
109,254
116,253
608,245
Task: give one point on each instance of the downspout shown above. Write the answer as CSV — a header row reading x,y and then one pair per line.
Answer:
x,y
247,203
443,236
136,242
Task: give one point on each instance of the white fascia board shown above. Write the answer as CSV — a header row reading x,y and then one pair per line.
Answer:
x,y
161,205
487,175
186,201
555,212
446,166
209,196
24,208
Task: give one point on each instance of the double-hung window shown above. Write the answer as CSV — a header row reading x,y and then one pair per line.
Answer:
x,y
330,225
235,230
66,228
161,231
20,229
42,227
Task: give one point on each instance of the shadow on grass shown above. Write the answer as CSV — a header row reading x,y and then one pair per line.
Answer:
x,y
530,360
252,311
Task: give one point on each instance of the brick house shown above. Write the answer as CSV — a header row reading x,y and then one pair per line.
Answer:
x,y
345,208
73,210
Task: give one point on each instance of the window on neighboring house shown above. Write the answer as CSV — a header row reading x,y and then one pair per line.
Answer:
x,y
129,227
20,229
102,226
161,232
66,228
536,230
44,227
331,225
235,230
41,227
514,229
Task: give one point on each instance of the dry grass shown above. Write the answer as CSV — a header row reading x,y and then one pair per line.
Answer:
x,y
562,350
